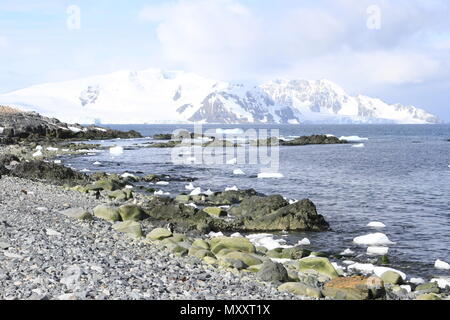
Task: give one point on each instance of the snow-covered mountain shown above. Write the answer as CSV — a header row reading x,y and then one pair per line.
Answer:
x,y
156,96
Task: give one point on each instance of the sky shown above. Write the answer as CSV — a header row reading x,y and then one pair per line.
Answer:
x,y
396,50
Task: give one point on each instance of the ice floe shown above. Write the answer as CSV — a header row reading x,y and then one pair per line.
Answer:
x,y
407,287
267,240
162,183
442,265
236,235
373,239
442,282
161,193
238,172
97,163
280,260
304,242
190,204
377,250
353,138
190,186
268,175
378,271
196,191
376,224
116,150
127,175
215,234
233,188
85,170
208,192
359,145
347,252
52,149
38,154
417,280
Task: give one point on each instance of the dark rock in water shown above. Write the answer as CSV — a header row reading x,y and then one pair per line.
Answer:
x,y
256,206
162,136
298,216
314,139
231,196
31,126
47,171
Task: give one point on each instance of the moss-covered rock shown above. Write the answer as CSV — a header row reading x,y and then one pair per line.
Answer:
x,y
318,265
77,213
131,228
237,243
300,289
109,184
119,195
107,213
210,260
131,212
200,252
429,287
429,296
247,258
159,234
201,244
215,212
392,277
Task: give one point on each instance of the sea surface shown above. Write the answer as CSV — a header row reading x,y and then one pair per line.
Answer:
x,y
399,176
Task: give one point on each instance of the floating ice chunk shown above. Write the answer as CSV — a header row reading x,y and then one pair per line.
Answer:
x,y
378,271
406,287
51,232
232,161
116,150
267,240
377,250
373,239
57,161
292,201
442,265
363,267
128,186
85,170
215,234
208,192
359,145
233,188
38,148
127,175
442,282
268,175
353,138
190,186
52,149
236,235
97,163
417,280
162,183
38,154
238,172
337,267
304,242
193,205
196,192
376,224
348,262
161,193
347,252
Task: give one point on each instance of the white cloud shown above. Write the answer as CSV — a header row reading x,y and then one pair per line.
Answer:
x,y
228,40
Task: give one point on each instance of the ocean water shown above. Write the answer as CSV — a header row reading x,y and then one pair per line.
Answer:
x,y
401,177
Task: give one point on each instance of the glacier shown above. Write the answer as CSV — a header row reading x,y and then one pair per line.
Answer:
x,y
156,96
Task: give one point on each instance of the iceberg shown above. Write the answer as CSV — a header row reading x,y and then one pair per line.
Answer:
x,y
267,240
442,265
376,224
377,250
238,172
116,150
304,242
268,175
196,192
233,188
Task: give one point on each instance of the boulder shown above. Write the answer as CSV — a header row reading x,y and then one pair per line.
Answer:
x,y
257,206
132,228
247,258
300,289
159,234
107,213
210,260
271,271
77,213
318,265
391,277
200,252
231,196
353,288
109,184
201,244
299,216
237,243
428,296
429,287
215,212
130,212
295,253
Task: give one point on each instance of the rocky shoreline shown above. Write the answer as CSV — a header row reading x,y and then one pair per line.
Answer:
x,y
94,237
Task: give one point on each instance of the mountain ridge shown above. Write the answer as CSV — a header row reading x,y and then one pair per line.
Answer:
x,y
158,96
